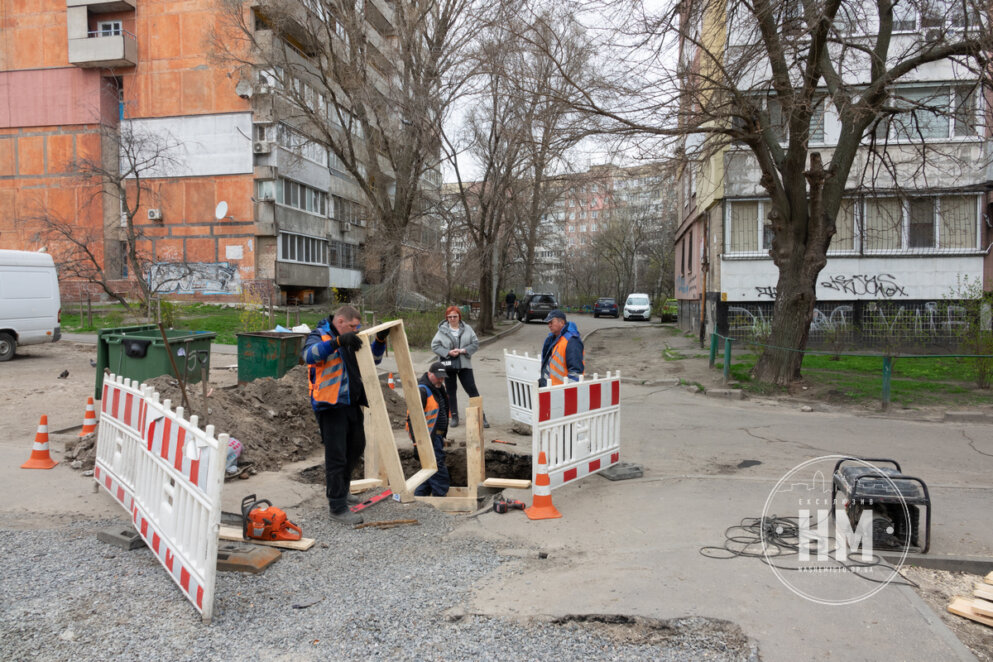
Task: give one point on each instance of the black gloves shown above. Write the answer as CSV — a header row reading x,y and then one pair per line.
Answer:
x,y
350,340
381,336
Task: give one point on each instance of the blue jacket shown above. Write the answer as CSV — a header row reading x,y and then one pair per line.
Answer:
x,y
573,353
317,351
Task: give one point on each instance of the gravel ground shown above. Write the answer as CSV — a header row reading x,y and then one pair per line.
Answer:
x,y
394,594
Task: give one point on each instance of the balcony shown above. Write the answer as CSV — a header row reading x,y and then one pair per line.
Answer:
x,y
102,6
104,49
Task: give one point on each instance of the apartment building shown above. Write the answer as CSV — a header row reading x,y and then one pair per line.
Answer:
x,y
913,233
245,198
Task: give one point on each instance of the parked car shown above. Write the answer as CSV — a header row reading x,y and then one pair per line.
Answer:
x,y
536,306
638,306
30,304
605,306
670,310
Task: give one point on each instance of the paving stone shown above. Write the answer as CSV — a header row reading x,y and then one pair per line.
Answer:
x,y
123,537
238,557
623,471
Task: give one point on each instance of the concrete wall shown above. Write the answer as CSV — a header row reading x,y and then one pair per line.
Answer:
x,y
199,145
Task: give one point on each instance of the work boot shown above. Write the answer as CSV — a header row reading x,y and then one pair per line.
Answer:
x,y
455,421
345,516
486,424
353,500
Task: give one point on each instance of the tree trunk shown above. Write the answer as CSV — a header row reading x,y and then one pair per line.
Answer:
x,y
485,321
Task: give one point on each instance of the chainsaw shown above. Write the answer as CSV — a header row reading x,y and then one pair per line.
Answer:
x,y
262,521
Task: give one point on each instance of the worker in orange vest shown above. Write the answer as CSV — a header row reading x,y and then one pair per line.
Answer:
x,y
337,397
434,400
562,353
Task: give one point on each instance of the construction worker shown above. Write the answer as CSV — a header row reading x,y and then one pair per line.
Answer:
x,y
434,401
337,395
562,353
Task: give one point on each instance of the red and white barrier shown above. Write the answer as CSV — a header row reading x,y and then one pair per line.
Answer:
x,y
577,425
168,475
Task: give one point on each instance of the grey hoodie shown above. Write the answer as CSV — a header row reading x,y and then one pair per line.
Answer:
x,y
448,338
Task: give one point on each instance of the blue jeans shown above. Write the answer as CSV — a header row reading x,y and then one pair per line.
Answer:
x,y
438,484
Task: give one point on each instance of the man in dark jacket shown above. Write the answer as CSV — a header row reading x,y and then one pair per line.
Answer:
x,y
562,353
510,301
337,396
434,402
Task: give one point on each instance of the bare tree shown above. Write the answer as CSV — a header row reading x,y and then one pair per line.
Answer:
x,y
757,74
119,179
373,88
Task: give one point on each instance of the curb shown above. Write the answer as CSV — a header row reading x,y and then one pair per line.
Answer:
x,y
505,332
976,565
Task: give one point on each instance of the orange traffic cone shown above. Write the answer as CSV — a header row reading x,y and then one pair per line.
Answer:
x,y
89,418
40,459
389,382
541,504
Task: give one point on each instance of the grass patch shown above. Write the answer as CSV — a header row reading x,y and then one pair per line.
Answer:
x,y
670,354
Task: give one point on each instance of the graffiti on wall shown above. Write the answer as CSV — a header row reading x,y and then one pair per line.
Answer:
x,y
194,278
767,291
686,285
875,285
925,321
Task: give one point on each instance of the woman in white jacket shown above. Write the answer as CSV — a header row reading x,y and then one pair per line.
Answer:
x,y
455,343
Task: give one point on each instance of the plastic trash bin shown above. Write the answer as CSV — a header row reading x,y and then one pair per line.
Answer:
x,y
267,354
139,353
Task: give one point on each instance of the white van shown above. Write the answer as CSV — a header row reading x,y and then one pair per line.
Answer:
x,y
30,305
638,306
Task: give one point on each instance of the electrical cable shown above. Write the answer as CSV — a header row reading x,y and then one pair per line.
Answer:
x,y
771,537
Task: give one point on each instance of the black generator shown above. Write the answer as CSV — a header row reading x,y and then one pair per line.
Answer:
x,y
858,485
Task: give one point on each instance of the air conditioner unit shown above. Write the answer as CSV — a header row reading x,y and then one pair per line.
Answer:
x,y
262,147
262,88
346,226
155,214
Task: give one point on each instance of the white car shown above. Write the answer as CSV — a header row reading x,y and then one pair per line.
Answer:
x,y
638,306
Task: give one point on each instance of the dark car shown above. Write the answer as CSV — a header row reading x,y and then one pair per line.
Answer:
x,y
536,306
605,306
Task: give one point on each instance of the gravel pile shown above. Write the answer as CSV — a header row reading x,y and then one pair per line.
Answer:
x,y
394,594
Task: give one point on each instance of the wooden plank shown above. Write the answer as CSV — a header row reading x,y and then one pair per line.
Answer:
x,y
982,607
364,484
984,591
989,578
507,483
231,533
474,461
451,504
963,607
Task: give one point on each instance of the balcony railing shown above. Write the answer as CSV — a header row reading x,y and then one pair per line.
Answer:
x,y
104,48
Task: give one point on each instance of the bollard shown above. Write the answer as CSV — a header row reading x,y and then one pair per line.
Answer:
x,y
713,349
727,360
887,374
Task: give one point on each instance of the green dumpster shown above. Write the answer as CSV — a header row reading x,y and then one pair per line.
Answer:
x,y
267,354
139,353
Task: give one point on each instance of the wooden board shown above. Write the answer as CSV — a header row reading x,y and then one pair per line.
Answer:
x,y
364,485
984,591
231,533
963,607
451,504
989,578
474,459
507,483
982,607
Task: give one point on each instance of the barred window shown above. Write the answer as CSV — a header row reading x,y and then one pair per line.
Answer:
x,y
883,224
743,232
844,235
957,221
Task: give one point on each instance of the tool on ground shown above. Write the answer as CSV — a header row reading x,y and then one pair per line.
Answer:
x,y
501,441
890,497
371,502
262,521
502,505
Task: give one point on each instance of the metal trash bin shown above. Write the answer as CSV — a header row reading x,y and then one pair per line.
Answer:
x,y
267,354
139,353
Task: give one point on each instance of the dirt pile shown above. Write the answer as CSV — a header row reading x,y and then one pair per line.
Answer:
x,y
272,418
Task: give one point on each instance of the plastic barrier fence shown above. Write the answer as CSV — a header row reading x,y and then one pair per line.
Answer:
x,y
577,425
168,475
523,373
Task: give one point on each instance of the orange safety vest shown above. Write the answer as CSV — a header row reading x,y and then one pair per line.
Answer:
x,y
558,373
326,377
431,409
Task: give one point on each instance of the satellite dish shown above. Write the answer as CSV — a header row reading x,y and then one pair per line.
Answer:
x,y
221,211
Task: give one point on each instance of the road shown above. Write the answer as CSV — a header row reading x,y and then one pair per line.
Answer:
x,y
629,547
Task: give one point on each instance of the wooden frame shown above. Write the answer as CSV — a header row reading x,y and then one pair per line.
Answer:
x,y
382,459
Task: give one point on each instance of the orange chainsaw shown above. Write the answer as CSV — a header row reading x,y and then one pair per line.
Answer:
x,y
263,521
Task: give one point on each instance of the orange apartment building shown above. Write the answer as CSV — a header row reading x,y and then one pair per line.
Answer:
x,y
72,69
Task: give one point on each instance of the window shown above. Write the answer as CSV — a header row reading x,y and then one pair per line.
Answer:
x,y
947,222
844,235
779,119
883,224
300,196
302,248
743,227
921,223
110,28
124,259
957,221
933,112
